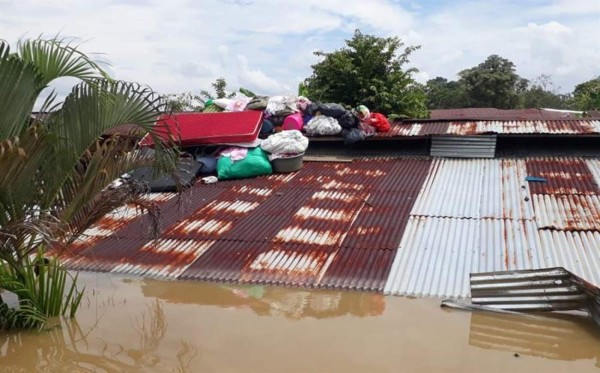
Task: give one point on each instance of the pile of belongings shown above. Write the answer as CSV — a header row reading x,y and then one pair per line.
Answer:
x,y
288,112
244,137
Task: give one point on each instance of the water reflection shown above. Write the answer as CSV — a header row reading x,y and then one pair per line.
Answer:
x,y
65,347
552,336
270,301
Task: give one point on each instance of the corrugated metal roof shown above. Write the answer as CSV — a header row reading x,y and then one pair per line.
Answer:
x,y
478,188
328,225
563,176
501,127
483,146
567,212
482,216
415,226
436,255
500,114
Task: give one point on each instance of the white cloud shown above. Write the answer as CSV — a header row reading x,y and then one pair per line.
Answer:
x,y
253,78
268,45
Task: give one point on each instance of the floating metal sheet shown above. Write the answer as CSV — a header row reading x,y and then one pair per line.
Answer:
x,y
563,176
567,212
482,146
475,189
534,290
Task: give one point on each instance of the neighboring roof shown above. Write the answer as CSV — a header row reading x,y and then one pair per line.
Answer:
x,y
502,127
510,114
409,226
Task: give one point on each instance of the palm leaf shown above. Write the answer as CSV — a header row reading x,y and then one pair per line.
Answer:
x,y
55,59
20,82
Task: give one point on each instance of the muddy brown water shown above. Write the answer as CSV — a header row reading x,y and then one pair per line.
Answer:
x,y
137,325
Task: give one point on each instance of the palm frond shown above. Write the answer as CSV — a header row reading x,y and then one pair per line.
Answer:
x,y
55,59
20,82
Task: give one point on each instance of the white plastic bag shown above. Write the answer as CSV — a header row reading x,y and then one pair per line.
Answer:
x,y
285,142
322,125
282,105
222,102
237,104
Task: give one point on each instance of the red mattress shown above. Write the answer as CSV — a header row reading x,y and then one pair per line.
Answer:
x,y
192,129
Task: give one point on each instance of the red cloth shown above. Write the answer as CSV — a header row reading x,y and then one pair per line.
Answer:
x,y
379,121
190,129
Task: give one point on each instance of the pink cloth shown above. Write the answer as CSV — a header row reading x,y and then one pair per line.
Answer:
x,y
235,153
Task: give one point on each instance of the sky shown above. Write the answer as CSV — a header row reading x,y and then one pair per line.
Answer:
x,y
267,45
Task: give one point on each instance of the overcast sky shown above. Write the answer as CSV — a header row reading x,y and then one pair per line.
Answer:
x,y
267,45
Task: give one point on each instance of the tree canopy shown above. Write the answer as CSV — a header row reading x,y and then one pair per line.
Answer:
x,y
586,96
371,71
493,83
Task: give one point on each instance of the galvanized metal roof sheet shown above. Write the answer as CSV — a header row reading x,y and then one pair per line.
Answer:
x,y
477,188
436,255
567,212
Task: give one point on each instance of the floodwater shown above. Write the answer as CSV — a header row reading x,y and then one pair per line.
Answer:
x,y
132,324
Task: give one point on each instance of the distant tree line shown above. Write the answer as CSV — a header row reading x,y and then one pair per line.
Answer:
x,y
372,71
494,83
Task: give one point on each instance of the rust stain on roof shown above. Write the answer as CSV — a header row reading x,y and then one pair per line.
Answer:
x,y
563,175
302,229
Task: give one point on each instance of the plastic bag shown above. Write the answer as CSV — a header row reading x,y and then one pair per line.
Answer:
x,y
352,136
286,142
331,110
322,125
222,102
254,164
258,103
282,105
238,104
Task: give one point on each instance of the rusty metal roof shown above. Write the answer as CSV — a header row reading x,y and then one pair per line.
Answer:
x,y
409,226
510,114
482,216
551,127
332,225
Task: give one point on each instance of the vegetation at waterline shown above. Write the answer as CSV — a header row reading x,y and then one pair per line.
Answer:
x,y
56,168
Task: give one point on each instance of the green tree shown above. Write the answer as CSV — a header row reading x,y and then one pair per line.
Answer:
x,y
541,93
586,96
56,167
493,83
444,94
369,70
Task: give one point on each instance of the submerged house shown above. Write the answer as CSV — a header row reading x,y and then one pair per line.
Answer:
x,y
409,212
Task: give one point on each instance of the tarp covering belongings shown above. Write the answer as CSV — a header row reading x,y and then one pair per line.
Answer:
x,y
551,289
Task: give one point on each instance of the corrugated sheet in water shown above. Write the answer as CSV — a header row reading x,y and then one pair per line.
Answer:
x,y
477,188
